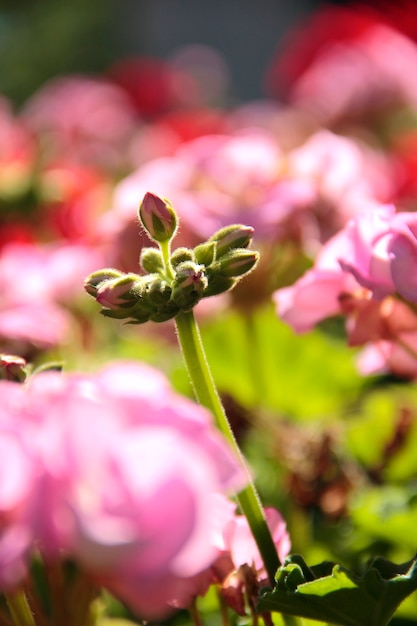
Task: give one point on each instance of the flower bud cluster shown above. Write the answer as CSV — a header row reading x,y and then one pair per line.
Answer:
x,y
166,289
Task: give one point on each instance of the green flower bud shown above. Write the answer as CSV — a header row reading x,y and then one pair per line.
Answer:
x,y
189,284
122,292
180,255
94,280
151,260
158,292
231,237
205,253
118,314
158,217
165,313
218,284
236,263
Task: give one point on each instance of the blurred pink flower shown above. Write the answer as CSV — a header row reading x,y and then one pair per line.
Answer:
x,y
348,62
37,283
239,542
19,482
71,199
316,295
136,509
89,120
304,195
17,153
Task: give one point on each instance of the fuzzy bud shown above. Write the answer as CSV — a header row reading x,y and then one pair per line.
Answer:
x,y
151,260
158,217
94,280
236,263
12,367
189,284
180,255
122,292
205,253
232,237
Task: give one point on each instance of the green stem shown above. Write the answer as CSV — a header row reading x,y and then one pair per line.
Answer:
x,y
19,609
165,247
206,393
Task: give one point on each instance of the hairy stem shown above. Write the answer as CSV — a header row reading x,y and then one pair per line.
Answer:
x,y
206,393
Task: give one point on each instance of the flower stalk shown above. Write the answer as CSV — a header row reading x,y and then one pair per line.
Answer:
x,y
206,393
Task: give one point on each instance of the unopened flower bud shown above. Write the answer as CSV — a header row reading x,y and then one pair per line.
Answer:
x,y
94,280
180,255
218,284
189,284
12,367
205,253
151,260
158,217
122,292
159,292
237,262
165,313
231,237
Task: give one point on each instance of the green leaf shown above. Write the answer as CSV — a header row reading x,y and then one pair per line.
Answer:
x,y
331,593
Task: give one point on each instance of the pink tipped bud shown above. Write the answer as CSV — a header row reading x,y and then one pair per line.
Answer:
x,y
12,368
122,292
158,217
231,237
237,262
94,280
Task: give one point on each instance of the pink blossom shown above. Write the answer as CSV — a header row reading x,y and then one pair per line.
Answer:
x,y
35,283
383,252
86,119
316,295
19,485
129,476
349,61
241,546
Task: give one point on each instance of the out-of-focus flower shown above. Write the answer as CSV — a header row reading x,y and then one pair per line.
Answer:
x,y
139,507
348,62
84,119
151,84
12,368
19,488
71,197
239,568
304,196
17,154
36,284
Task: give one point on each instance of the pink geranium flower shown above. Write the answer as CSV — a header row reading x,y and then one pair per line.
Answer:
x,y
138,508
367,273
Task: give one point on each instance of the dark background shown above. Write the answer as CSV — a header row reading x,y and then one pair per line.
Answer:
x,y
40,39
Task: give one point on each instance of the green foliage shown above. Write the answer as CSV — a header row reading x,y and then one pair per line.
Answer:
x,y
261,362
331,593
42,39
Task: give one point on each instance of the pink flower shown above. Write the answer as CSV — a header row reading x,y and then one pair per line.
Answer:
x,y
316,295
349,61
19,482
36,282
129,476
239,542
383,252
88,120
